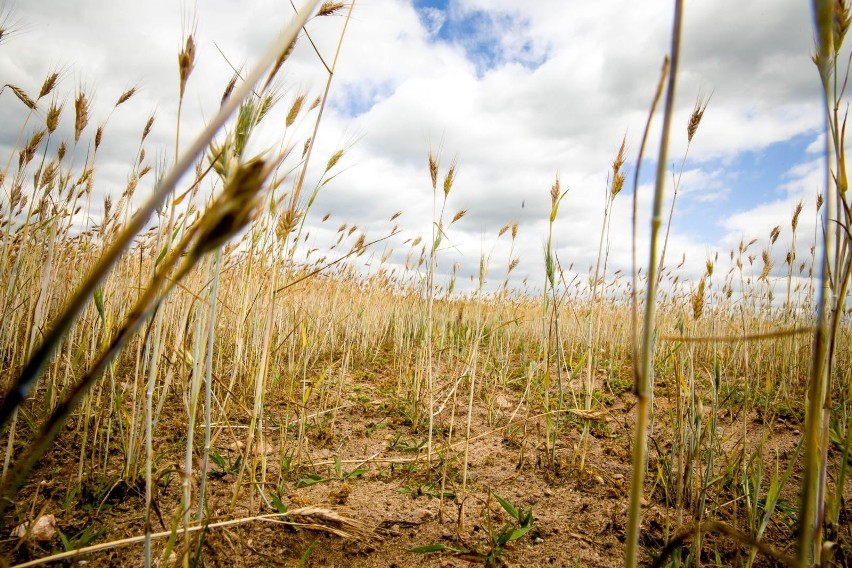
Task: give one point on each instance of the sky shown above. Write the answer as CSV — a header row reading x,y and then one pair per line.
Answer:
x,y
515,93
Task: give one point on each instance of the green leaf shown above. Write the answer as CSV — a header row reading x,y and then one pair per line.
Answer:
x,y
518,533
99,303
279,505
310,479
436,548
507,506
218,460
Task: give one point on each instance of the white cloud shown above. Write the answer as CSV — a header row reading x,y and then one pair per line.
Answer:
x,y
512,127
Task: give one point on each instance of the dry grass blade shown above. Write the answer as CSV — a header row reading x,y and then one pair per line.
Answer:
x,y
314,518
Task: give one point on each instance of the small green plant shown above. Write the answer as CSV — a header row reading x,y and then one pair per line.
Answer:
x,y
520,524
340,475
82,539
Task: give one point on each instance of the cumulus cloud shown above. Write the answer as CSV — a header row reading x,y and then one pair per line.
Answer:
x,y
515,92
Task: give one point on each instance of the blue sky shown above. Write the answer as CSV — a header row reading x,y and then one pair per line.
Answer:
x,y
515,92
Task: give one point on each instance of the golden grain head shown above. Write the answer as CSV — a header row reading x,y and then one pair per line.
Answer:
x,y
774,234
697,299
696,116
767,264
617,184
514,230
81,114
619,158
229,88
449,178
234,209
433,169
125,96
52,119
555,190
795,221
332,161
503,229
186,62
841,23
287,222
48,85
330,8
23,96
295,108
148,126
282,57
458,216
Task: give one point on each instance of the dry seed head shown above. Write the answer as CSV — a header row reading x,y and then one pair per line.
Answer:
x,y
767,264
709,267
49,84
819,201
503,230
60,152
325,217
329,8
395,215
23,96
279,62
458,216
433,170
125,96
359,244
555,190
332,161
107,207
148,126
774,234
695,117
294,111
315,104
794,223
788,260
449,178
287,222
514,231
99,133
49,175
352,229
698,300
229,88
52,119
841,22
617,175
617,185
81,114
235,208
514,264
28,152
186,62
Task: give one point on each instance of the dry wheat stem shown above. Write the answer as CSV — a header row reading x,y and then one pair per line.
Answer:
x,y
359,531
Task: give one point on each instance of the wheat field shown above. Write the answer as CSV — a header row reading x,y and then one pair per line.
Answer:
x,y
187,380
